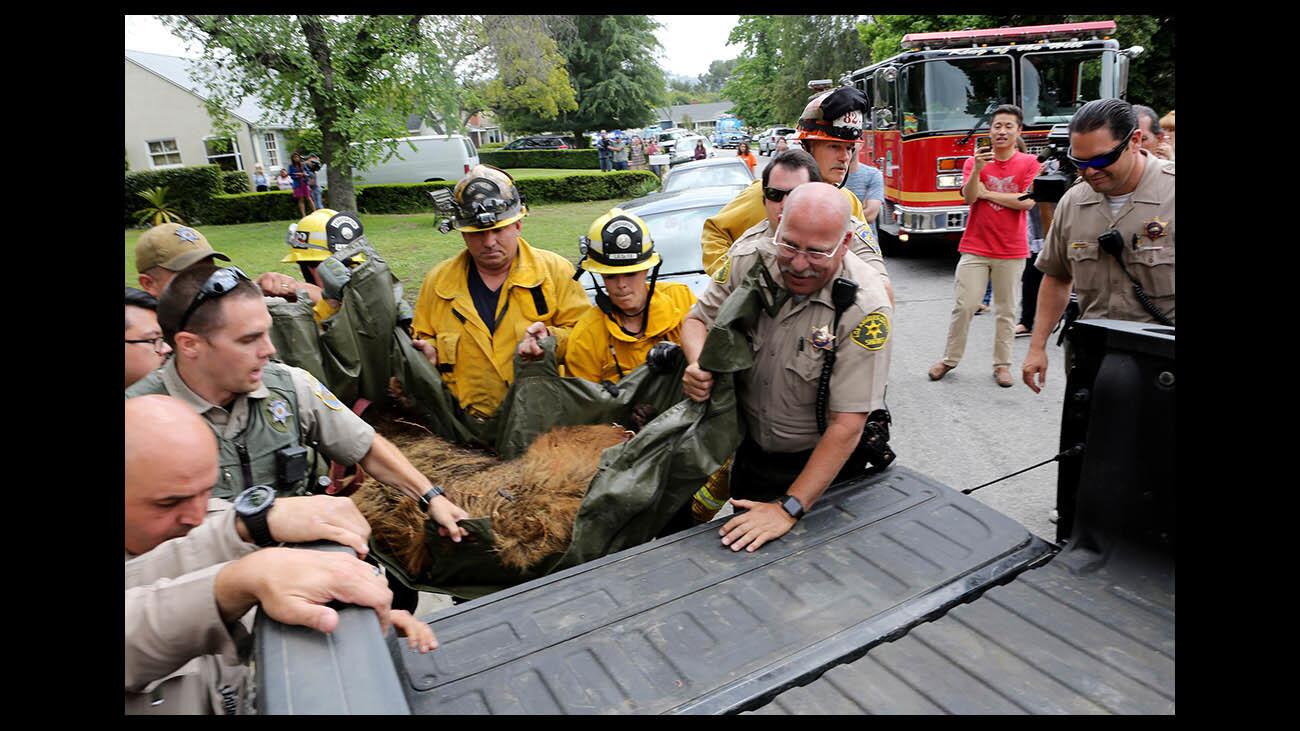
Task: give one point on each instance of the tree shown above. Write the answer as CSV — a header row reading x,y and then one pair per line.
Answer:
x,y
610,61
1151,76
358,78
781,54
751,79
717,75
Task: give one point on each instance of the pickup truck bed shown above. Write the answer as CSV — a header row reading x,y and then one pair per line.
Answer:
x,y
684,625
895,594
1058,639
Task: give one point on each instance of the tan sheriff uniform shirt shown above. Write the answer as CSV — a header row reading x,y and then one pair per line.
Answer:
x,y
179,653
779,394
1146,223
863,244
344,437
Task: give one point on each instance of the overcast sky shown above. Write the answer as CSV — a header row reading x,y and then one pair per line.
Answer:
x,y
690,42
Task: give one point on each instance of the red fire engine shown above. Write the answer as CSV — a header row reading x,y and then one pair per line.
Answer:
x,y
930,103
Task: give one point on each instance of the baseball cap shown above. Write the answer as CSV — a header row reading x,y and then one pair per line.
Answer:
x,y
174,247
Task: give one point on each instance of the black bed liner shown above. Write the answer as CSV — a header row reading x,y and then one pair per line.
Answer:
x,y
686,625
1058,639
894,594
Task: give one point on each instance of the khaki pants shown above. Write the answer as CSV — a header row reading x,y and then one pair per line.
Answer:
x,y
973,273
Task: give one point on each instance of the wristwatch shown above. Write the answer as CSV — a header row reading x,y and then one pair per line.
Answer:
x,y
435,491
252,507
791,505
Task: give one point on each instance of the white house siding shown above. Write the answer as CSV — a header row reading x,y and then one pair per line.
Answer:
x,y
158,109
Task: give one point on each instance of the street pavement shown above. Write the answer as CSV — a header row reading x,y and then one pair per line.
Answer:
x,y
965,429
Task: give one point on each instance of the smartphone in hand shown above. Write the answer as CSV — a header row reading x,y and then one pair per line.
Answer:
x,y
983,143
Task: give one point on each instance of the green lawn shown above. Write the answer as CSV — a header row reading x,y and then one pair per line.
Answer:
x,y
409,242
542,172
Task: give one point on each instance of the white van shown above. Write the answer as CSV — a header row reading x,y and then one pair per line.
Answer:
x,y
435,157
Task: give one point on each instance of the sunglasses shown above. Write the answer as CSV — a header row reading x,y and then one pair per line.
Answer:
x,y
218,284
1104,160
159,344
776,195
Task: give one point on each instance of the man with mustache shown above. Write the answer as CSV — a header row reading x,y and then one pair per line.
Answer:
x,y
1130,196
498,296
829,129
792,450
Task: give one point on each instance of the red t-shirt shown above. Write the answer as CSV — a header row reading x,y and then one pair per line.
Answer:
x,y
994,230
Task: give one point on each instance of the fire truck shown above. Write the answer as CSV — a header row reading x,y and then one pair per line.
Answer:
x,y
930,104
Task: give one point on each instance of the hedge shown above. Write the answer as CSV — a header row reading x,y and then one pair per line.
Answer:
x,y
414,197
571,159
492,146
235,181
190,190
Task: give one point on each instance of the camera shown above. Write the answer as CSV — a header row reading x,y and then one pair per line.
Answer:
x,y
1050,187
314,164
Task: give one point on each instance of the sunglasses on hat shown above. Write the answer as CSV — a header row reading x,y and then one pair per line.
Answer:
x,y
1104,160
218,284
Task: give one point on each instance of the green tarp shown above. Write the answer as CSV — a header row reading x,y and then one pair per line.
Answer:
x,y
639,485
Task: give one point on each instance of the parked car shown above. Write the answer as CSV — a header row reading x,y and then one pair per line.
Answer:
x,y
715,172
680,144
538,142
434,157
706,173
767,140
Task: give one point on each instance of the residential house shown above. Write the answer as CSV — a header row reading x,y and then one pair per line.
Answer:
x,y
480,127
167,123
700,117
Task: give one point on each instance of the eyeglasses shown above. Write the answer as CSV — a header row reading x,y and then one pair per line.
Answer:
x,y
787,251
159,343
1104,160
776,195
219,284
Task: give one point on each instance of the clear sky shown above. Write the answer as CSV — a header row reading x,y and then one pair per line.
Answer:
x,y
690,42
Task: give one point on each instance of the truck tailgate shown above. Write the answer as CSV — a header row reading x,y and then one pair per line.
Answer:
x,y
1059,639
683,624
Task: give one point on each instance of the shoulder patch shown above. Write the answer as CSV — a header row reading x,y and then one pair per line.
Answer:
x,y
868,239
326,397
724,272
873,332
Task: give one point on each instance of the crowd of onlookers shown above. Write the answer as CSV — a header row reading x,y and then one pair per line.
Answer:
x,y
301,177
618,151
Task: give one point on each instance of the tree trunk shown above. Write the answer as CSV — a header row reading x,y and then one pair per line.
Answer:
x,y
342,194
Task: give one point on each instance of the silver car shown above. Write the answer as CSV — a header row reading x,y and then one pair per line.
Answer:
x,y
767,142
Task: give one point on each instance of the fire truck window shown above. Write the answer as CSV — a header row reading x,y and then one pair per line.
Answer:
x,y
1054,85
951,94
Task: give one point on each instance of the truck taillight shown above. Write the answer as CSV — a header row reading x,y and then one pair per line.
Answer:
x,y
467,168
